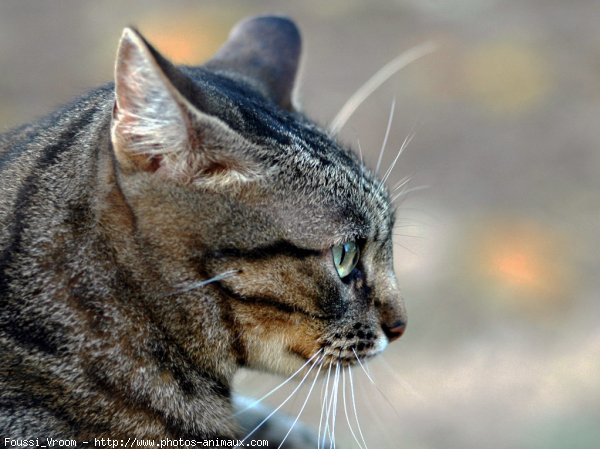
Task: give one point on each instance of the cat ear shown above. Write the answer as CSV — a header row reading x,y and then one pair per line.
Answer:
x,y
265,49
156,129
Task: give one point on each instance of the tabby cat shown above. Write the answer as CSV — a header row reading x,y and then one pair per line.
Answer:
x,y
163,231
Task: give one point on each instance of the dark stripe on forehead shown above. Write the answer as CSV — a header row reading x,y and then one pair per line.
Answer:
x,y
275,249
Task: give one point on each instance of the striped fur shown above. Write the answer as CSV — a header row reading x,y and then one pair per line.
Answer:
x,y
111,204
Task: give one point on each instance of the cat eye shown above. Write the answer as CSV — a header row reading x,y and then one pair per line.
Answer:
x,y
345,258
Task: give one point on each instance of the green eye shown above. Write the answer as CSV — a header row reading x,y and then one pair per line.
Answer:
x,y
345,258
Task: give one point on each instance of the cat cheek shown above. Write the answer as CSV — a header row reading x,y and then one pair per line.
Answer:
x,y
279,347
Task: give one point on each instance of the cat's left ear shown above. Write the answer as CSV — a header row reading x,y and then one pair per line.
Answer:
x,y
156,129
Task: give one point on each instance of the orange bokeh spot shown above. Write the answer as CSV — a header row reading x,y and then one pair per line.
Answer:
x,y
523,265
518,265
186,37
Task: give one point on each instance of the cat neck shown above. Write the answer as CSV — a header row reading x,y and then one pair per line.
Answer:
x,y
190,321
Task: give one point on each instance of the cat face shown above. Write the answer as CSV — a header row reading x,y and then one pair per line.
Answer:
x,y
230,183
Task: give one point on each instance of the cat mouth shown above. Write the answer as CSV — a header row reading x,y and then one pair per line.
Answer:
x,y
350,355
344,354
358,344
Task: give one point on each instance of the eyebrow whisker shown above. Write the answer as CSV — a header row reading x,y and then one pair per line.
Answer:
x,y
376,80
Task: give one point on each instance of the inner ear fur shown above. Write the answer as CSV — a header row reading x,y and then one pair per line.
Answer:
x,y
156,129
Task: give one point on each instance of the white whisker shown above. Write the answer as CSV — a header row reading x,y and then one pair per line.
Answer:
x,y
366,365
401,183
258,401
360,152
186,287
346,409
362,163
362,437
407,191
375,385
280,405
387,134
405,384
323,407
407,140
334,414
305,401
362,366
374,414
328,413
381,76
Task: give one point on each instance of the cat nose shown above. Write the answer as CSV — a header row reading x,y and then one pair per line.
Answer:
x,y
394,331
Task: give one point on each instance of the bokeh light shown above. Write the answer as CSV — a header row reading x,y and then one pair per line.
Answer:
x,y
506,77
522,264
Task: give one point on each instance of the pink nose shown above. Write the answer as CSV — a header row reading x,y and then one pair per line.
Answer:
x,y
395,330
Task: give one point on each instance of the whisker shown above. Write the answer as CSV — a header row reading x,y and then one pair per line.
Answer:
x,y
280,405
380,77
407,140
319,362
258,401
405,384
360,152
375,415
406,225
346,409
405,143
362,366
417,210
386,135
407,191
406,248
363,178
323,407
334,390
337,393
186,287
366,365
362,437
409,235
375,385
401,183
328,413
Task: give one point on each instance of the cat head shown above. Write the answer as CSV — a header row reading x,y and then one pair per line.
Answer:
x,y
229,182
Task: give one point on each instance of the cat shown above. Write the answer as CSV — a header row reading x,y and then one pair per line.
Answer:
x,y
167,229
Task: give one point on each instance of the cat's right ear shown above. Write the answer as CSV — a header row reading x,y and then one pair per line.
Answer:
x,y
265,49
156,129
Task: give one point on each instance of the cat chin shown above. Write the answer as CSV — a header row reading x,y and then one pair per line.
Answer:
x,y
284,363
273,356
287,364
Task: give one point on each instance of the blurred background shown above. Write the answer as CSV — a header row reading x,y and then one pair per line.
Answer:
x,y
498,254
